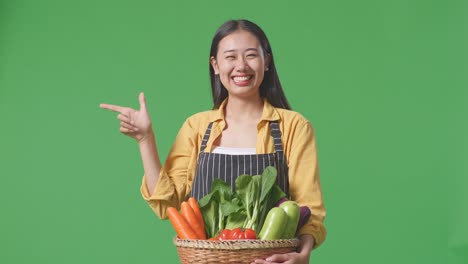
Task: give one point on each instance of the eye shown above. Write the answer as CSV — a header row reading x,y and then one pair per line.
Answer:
x,y
252,55
230,57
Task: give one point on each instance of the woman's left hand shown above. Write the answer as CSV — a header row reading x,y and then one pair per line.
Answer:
x,y
301,257
288,258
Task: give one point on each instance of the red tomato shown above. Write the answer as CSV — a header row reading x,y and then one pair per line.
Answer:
x,y
247,233
225,234
236,233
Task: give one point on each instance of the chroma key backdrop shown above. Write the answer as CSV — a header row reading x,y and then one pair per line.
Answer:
x,y
384,84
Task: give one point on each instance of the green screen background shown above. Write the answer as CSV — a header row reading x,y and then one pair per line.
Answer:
x,y
383,83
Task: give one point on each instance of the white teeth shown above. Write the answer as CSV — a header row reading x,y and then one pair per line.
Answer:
x,y
243,78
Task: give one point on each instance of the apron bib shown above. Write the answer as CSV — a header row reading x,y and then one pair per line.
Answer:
x,y
227,167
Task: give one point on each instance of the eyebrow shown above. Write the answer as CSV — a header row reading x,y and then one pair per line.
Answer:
x,y
232,50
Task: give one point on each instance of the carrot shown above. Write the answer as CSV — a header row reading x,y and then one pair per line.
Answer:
x,y
191,218
196,209
182,228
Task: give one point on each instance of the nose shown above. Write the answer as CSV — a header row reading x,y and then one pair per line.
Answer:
x,y
241,65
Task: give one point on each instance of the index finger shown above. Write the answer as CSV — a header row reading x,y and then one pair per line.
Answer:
x,y
114,108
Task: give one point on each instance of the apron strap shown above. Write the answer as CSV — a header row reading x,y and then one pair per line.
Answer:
x,y
281,164
206,137
276,134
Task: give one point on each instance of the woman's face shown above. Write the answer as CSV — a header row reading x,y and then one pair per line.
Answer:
x,y
240,63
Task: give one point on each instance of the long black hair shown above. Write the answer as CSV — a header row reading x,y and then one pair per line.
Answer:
x,y
270,88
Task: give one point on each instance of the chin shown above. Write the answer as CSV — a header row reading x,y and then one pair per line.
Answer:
x,y
244,93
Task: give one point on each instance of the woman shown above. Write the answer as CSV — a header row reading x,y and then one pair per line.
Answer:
x,y
250,127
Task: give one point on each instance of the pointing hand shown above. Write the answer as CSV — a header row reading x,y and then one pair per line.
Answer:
x,y
133,123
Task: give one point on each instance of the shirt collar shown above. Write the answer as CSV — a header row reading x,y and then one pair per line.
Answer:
x,y
269,112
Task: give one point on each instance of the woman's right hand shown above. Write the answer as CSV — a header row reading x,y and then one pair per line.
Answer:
x,y
133,123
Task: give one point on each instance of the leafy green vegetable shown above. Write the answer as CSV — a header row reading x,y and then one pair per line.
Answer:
x,y
223,188
263,194
247,207
268,180
210,213
235,220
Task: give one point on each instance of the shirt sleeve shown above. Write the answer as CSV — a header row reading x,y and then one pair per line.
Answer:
x,y
175,178
305,187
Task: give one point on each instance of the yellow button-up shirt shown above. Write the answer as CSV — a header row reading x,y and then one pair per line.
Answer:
x,y
178,172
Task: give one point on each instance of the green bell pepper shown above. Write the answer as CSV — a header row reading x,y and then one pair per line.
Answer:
x,y
281,222
292,210
274,224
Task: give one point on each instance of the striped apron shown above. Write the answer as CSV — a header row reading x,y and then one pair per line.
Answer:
x,y
227,167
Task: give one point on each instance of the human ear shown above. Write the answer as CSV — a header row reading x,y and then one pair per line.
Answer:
x,y
214,64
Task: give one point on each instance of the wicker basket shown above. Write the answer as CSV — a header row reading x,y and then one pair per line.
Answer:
x,y
231,251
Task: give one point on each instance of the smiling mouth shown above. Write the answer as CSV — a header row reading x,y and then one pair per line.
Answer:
x,y
242,78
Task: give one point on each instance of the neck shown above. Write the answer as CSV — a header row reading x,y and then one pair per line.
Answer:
x,y
241,108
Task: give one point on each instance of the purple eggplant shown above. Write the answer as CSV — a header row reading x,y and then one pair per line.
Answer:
x,y
304,216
